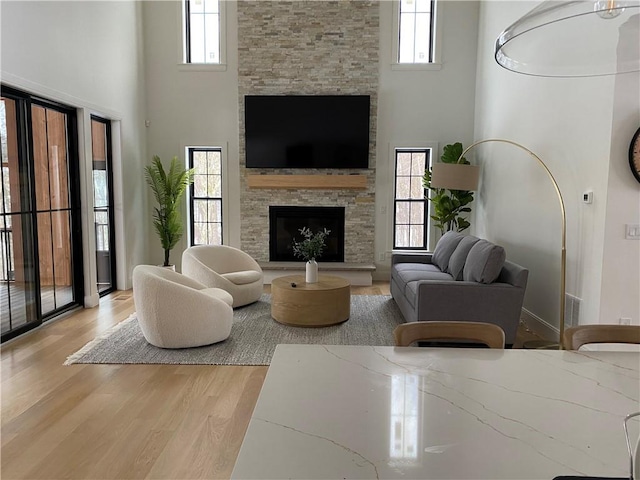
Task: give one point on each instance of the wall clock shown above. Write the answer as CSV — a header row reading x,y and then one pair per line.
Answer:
x,y
634,155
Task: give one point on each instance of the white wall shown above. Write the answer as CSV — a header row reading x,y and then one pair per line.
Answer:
x,y
621,263
417,107
568,123
89,55
189,105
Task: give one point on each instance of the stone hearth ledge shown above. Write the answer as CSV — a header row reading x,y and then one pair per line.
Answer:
x,y
358,274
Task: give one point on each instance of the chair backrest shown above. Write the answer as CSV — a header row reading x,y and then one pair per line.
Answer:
x,y
221,258
486,333
162,274
575,337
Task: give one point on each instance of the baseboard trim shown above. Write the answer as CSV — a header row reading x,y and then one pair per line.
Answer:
x,y
91,301
539,326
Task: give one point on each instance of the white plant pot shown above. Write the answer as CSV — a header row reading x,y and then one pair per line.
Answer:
x,y
312,272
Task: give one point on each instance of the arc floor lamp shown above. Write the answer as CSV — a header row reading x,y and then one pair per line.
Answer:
x,y
559,38
459,176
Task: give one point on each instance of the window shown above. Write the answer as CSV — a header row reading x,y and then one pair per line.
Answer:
x,y
103,211
206,196
411,207
202,22
415,24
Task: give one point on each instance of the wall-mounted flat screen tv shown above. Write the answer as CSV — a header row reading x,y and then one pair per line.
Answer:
x,y
307,131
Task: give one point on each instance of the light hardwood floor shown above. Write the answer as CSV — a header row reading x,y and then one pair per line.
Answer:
x,y
120,421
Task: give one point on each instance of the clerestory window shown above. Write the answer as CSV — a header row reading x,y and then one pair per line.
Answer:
x,y
415,24
203,22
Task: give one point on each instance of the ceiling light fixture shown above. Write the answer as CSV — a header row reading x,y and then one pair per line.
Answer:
x,y
577,38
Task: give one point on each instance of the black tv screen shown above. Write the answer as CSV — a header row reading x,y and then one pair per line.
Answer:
x,y
307,131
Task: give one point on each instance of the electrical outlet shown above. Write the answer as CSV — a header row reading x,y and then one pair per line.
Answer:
x,y
381,257
625,321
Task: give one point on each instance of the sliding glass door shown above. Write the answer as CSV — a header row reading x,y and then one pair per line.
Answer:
x,y
18,292
41,263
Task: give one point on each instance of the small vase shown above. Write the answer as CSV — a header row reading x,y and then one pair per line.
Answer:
x,y
312,271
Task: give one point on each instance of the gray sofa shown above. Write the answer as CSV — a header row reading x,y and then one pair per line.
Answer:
x,y
465,278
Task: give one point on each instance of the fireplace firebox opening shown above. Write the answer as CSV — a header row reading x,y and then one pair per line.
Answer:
x,y
285,223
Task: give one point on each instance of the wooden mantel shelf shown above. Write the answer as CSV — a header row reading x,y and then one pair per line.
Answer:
x,y
323,182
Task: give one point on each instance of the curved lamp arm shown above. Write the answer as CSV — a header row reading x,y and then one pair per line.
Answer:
x,y
563,273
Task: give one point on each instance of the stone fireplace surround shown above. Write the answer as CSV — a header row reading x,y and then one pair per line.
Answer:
x,y
309,48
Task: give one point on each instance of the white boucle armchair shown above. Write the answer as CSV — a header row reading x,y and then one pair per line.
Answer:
x,y
227,268
175,311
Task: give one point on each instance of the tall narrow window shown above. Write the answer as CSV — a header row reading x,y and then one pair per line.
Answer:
x,y
202,31
103,213
416,20
206,196
410,203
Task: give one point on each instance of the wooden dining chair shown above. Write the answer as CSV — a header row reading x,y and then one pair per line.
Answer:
x,y
486,333
575,337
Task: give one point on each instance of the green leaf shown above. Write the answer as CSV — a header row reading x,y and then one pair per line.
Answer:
x,y
451,153
449,205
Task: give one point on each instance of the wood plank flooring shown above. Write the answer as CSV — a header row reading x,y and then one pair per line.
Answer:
x,y
120,421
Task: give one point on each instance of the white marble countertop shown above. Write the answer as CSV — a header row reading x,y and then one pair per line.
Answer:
x,y
383,412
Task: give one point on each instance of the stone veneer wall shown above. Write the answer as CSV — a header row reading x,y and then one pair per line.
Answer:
x,y
304,48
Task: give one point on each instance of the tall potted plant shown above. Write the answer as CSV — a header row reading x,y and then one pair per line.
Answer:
x,y
449,206
168,187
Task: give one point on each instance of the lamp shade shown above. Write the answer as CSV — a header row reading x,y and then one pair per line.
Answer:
x,y
455,176
575,38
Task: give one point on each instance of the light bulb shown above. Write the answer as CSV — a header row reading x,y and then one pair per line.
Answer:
x,y
608,9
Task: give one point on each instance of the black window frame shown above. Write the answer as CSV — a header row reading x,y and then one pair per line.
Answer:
x,y
24,103
192,197
428,151
110,208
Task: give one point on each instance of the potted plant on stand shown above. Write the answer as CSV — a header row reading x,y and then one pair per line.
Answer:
x,y
309,249
449,205
168,187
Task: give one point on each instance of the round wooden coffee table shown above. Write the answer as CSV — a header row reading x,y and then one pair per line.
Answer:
x,y
320,304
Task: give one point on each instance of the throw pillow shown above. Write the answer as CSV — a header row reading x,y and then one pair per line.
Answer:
x,y
459,256
444,248
484,262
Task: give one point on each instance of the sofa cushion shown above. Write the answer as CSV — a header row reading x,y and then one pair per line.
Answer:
x,y
411,292
421,272
484,262
444,248
407,275
459,256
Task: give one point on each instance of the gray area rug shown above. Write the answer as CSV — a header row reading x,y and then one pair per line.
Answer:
x,y
254,337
